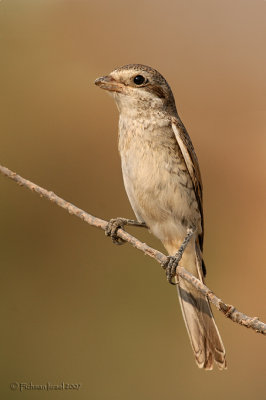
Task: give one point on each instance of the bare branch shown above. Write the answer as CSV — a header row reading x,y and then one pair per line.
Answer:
x,y
228,310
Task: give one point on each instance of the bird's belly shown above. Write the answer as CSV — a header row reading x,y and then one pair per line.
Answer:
x,y
160,191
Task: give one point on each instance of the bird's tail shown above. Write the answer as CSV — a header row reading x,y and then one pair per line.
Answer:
x,y
204,336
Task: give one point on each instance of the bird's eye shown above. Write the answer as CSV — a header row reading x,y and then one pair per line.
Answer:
x,y
139,79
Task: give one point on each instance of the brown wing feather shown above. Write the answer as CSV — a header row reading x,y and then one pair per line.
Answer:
x,y
192,164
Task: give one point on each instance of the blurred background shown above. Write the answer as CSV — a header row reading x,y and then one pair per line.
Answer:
x,y
74,307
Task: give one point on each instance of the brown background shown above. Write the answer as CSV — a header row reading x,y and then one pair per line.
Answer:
x,y
74,307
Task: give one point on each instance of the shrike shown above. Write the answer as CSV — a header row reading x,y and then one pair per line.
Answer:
x,y
163,183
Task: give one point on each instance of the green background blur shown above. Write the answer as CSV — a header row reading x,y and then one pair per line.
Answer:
x,y
74,307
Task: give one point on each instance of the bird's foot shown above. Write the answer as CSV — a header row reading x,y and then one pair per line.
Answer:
x,y
119,223
170,267
172,262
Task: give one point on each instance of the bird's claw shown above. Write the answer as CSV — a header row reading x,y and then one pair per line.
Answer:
x,y
112,227
170,267
172,262
119,223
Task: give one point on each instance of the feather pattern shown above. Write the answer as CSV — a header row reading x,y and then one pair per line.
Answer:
x,y
192,165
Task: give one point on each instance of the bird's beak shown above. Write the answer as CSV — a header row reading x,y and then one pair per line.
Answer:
x,y
109,83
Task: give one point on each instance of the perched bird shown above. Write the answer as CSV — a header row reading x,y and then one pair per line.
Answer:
x,y
163,183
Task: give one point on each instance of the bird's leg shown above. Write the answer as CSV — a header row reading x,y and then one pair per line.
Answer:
x,y
119,223
172,261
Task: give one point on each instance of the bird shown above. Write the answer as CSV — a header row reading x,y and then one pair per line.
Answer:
x,y
163,183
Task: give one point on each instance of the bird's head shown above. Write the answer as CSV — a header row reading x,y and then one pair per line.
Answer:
x,y
138,87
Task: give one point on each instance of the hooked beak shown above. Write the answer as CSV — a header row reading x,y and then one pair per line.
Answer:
x,y
109,83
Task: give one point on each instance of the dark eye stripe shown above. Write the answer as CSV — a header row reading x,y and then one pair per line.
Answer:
x,y
158,91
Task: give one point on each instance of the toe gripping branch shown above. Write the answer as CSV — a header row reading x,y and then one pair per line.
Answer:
x,y
119,223
172,262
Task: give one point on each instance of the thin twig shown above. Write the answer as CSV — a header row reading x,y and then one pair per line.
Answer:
x,y
228,310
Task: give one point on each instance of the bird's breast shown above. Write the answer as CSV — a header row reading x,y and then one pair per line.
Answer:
x,y
155,175
150,153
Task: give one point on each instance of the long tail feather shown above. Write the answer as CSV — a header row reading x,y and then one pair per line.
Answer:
x,y
203,333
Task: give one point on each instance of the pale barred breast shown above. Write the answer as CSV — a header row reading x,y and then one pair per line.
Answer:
x,y
155,175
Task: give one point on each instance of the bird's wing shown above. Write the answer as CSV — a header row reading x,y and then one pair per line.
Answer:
x,y
192,164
